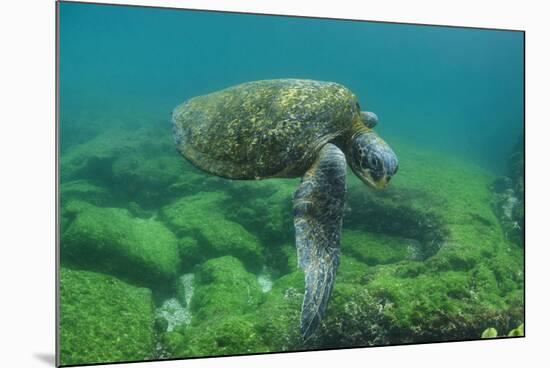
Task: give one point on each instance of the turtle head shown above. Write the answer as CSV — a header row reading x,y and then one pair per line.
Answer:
x,y
370,119
372,159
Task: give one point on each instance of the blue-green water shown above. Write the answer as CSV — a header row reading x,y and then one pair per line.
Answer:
x,y
456,89
450,102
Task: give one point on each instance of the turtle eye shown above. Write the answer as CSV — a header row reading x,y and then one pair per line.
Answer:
x,y
374,162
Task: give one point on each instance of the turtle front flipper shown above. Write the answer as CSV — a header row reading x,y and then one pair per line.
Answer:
x,y
318,212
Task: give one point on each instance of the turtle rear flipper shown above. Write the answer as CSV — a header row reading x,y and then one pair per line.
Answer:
x,y
318,212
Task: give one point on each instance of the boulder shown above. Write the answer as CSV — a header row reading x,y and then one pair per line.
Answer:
x,y
142,251
103,319
205,233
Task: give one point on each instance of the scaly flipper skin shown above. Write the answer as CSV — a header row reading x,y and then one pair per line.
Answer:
x,y
318,212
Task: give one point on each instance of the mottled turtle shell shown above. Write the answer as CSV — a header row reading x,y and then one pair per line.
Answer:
x,y
261,129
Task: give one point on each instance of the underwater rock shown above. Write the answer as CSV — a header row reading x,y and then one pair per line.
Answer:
x,y
137,165
516,166
508,196
278,318
264,279
185,288
374,249
265,207
103,319
172,315
223,287
85,190
205,233
194,181
501,184
229,335
225,296
146,177
393,214
354,318
170,342
93,159
142,251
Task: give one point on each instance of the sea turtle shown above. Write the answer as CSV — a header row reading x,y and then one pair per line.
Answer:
x,y
287,128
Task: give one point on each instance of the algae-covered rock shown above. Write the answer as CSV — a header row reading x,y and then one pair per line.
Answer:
x,y
373,248
508,196
85,190
205,233
222,288
264,207
466,276
355,317
229,335
222,306
278,318
143,251
171,342
93,159
136,165
146,178
103,319
171,315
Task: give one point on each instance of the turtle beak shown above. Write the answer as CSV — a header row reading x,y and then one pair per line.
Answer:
x,y
377,184
383,182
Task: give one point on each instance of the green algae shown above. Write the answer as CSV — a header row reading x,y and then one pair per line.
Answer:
x,y
474,277
227,335
278,318
200,217
224,300
113,241
85,190
425,260
224,287
103,319
374,249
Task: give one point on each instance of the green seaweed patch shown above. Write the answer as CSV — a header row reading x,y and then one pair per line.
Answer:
x,y
441,305
223,288
278,318
146,178
200,217
103,319
374,249
171,342
355,317
93,159
264,208
227,335
111,240
85,190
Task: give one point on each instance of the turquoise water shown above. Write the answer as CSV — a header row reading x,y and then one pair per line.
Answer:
x,y
453,88
171,243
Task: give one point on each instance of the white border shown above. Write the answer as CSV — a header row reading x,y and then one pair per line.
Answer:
x,y
27,182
